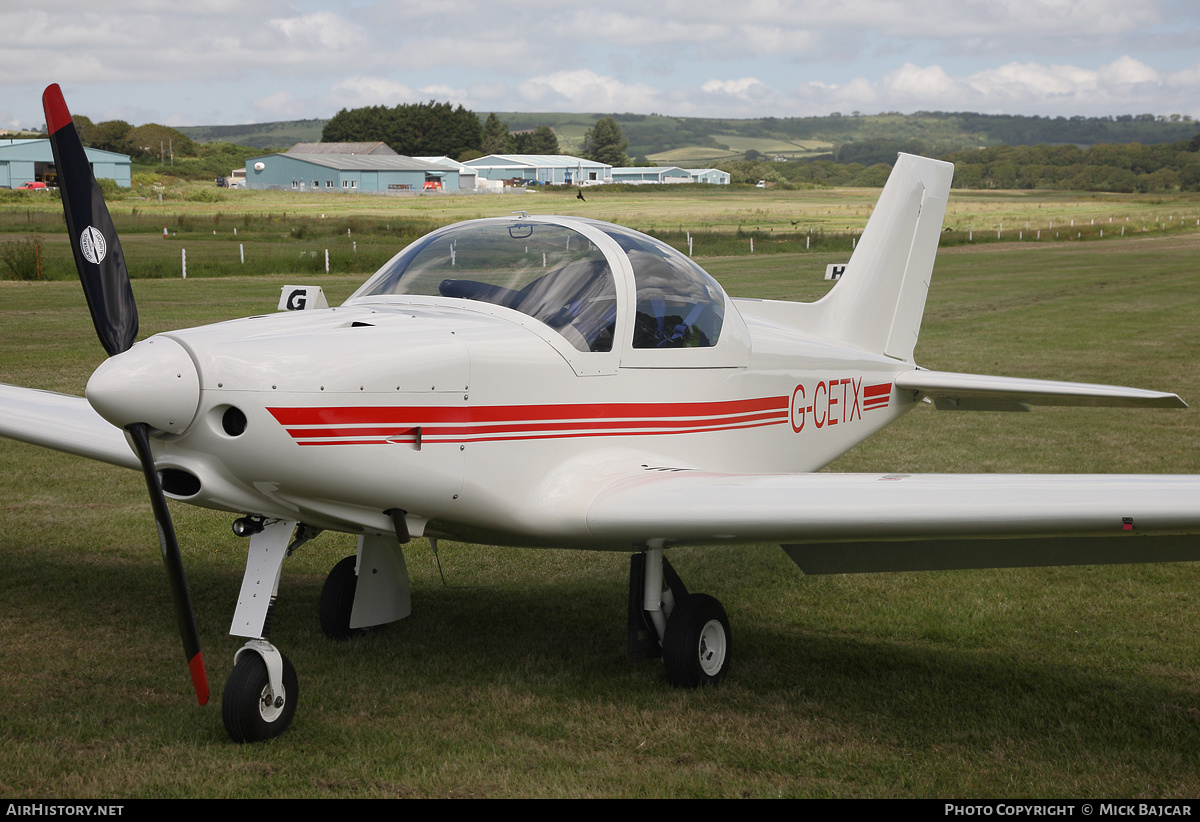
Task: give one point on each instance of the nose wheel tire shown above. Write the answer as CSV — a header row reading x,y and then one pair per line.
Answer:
x,y
696,644
251,710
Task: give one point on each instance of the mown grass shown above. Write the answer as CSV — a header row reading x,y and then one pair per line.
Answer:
x,y
1076,682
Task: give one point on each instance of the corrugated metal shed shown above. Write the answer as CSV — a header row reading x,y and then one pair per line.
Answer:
x,y
652,174
544,169
28,161
347,172
466,174
709,175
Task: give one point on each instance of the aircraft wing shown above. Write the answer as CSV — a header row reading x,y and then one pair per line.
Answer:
x,y
977,392
64,423
844,523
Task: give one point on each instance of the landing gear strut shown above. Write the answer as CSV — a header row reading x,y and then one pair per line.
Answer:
x,y
261,693
253,709
689,631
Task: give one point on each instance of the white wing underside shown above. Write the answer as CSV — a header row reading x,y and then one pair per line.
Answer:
x,y
64,423
842,523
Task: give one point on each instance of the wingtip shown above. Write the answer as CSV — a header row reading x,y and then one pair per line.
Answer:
x,y
55,107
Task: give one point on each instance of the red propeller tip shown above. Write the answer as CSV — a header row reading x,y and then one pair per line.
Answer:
x,y
199,678
55,106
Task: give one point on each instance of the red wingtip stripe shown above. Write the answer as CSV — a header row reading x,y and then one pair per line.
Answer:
x,y
55,106
199,678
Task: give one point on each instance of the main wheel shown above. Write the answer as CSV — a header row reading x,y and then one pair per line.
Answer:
x,y
337,600
696,644
251,710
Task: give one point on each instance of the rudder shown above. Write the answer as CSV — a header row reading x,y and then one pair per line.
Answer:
x,y
880,299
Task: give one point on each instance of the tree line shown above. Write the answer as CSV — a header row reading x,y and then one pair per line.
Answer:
x,y
437,129
148,142
1129,167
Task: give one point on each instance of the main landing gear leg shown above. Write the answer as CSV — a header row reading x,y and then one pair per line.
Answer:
x,y
366,590
689,631
261,693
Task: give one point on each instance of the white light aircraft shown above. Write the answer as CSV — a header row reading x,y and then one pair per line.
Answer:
x,y
563,382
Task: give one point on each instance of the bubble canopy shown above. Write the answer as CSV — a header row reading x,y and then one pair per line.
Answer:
x,y
550,270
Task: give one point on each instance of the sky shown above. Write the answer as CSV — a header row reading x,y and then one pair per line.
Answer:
x,y
218,62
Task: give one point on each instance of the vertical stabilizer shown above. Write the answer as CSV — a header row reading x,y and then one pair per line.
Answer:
x,y
880,298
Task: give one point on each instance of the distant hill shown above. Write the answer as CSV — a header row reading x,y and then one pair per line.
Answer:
x,y
281,135
696,141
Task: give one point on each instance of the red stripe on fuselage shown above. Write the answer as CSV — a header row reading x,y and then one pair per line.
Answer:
x,y
421,415
877,396
364,425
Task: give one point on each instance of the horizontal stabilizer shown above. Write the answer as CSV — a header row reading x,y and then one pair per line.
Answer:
x,y
978,392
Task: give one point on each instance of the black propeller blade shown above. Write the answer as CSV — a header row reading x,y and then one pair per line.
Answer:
x,y
94,241
105,281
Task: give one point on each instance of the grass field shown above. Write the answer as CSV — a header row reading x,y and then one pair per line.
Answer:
x,y
1078,682
257,232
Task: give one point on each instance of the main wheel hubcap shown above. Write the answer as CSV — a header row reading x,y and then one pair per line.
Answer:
x,y
713,645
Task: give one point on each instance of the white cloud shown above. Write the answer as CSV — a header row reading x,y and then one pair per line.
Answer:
x,y
689,57
323,30
584,90
744,87
354,92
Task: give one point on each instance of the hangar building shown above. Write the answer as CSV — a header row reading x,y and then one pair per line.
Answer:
x,y
365,173
709,175
543,169
32,161
652,174
466,174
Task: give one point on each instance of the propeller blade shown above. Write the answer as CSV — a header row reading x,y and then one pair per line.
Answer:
x,y
101,265
98,255
140,434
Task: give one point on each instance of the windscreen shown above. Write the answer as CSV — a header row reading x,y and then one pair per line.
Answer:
x,y
552,273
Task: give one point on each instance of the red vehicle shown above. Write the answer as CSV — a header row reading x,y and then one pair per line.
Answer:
x,y
32,187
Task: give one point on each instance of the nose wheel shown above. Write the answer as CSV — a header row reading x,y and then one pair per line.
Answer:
x,y
254,710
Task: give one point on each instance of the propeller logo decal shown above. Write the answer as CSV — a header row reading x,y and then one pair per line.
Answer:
x,y
91,243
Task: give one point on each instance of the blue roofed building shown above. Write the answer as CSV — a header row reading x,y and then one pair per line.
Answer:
x,y
358,173
652,174
542,169
713,176
32,161
466,174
